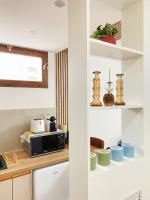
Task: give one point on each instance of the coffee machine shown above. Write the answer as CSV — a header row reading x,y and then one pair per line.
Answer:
x,y
52,124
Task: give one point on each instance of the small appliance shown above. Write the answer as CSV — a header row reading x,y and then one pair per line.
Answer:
x,y
37,125
52,124
39,144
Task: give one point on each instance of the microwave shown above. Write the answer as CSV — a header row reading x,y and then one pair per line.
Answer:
x,y
44,143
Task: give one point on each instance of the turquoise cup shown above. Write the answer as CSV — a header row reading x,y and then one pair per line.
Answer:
x,y
117,153
128,150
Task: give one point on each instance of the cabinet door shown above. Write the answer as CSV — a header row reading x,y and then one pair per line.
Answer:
x,y
6,190
22,187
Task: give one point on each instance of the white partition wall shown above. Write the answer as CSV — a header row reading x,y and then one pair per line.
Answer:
x,y
146,195
130,123
78,55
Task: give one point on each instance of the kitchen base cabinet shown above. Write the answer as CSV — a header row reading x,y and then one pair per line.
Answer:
x,y
22,187
51,183
6,190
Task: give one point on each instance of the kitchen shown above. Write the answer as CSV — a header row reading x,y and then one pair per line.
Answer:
x,y
26,106
74,108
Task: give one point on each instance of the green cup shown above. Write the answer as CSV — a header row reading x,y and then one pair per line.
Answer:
x,y
103,157
93,161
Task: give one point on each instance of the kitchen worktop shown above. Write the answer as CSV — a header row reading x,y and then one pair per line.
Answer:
x,y
25,163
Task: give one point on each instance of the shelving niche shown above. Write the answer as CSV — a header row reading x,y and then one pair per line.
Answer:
x,y
117,122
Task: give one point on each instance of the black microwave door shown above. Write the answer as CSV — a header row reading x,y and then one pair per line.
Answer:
x,y
36,145
53,142
61,141
49,143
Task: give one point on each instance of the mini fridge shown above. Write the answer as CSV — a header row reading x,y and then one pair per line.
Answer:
x,y
51,183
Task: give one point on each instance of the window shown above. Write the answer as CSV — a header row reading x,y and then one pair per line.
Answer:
x,y
21,67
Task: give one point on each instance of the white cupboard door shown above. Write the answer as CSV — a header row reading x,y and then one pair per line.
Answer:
x,y
22,187
52,183
6,190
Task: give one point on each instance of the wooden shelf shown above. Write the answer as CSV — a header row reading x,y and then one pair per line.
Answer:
x,y
104,49
116,107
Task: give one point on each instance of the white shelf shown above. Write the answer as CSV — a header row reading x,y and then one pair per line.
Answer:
x,y
116,107
105,49
114,165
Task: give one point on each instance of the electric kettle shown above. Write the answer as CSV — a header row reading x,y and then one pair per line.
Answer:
x,y
37,126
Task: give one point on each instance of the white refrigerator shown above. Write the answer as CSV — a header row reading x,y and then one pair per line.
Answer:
x,y
51,183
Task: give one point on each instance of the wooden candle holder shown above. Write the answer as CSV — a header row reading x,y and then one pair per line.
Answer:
x,y
96,90
119,92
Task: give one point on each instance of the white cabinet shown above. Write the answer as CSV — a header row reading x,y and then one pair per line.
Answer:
x,y
22,187
51,183
6,190
17,188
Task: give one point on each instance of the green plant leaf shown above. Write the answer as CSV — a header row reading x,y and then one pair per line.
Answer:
x,y
107,30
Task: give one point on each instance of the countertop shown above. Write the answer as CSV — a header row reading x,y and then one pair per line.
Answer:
x,y
25,163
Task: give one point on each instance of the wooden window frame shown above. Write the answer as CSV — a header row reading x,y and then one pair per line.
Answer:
x,y
28,52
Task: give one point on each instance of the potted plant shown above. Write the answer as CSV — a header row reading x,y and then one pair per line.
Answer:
x,y
106,33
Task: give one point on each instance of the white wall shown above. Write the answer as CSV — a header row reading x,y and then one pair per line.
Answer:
x,y
19,98
146,195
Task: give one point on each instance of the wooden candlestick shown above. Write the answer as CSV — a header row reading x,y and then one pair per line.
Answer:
x,y
119,92
96,90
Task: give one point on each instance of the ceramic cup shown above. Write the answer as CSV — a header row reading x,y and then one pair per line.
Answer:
x,y
117,153
128,150
103,157
93,161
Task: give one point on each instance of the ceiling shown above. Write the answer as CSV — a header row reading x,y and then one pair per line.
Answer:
x,y
37,24
119,4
